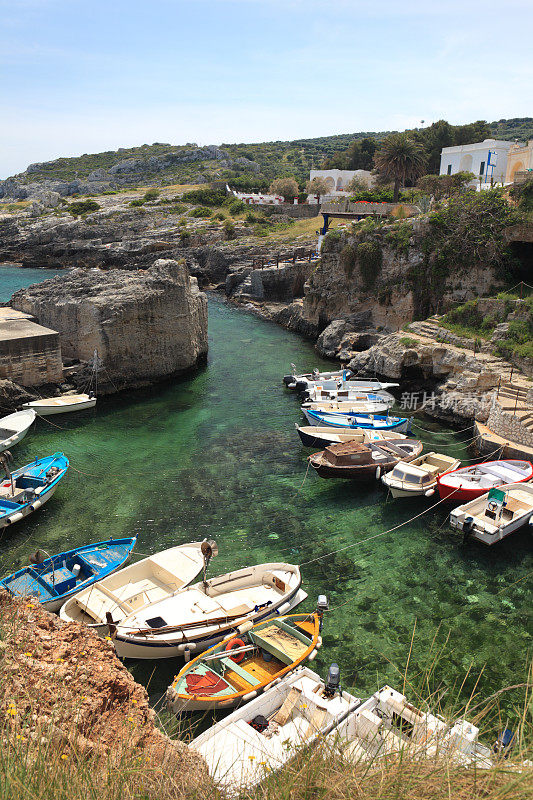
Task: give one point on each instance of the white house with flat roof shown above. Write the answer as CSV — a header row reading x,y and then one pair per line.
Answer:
x,y
338,181
486,160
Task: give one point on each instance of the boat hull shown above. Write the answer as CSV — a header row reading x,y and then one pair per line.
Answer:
x,y
332,420
465,493
371,472
28,507
48,411
134,649
396,491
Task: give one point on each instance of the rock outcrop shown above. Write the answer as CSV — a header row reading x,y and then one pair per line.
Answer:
x,y
146,325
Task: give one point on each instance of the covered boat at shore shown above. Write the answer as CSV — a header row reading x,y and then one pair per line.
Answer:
x,y
26,489
53,580
378,422
495,515
317,436
419,476
238,669
467,483
363,461
198,617
153,578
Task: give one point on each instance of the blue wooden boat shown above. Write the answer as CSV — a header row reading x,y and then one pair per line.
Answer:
x,y
28,488
378,422
56,578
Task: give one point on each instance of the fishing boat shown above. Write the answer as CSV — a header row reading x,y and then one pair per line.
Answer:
x,y
153,578
330,380
346,395
53,580
237,670
363,461
315,436
368,404
61,405
260,737
198,617
28,488
371,421
388,725
467,483
419,476
14,427
495,515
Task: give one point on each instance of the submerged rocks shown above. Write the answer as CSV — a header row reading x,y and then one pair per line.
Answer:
x,y
145,325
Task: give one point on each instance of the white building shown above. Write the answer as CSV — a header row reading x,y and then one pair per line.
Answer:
x,y
338,181
486,160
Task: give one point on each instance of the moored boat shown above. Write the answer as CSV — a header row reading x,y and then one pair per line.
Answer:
x,y
467,483
26,489
363,461
198,617
61,405
330,380
54,579
371,421
14,427
237,670
261,736
344,395
419,476
367,404
316,436
153,578
495,515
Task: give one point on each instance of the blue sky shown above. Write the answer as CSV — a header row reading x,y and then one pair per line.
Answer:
x,y
88,76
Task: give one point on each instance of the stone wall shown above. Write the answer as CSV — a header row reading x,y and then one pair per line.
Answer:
x,y
30,355
145,325
508,425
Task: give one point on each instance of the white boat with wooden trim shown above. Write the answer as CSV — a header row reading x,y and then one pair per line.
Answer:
x,y
387,725
366,404
346,394
495,515
14,427
61,405
117,595
260,737
317,436
198,617
237,670
419,476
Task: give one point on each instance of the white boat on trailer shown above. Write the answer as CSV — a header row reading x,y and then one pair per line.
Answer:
x,y
14,427
196,618
495,515
62,404
117,595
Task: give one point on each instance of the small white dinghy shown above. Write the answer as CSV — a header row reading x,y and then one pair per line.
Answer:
x,y
365,404
345,395
261,736
418,477
61,405
196,618
493,516
14,427
388,725
117,595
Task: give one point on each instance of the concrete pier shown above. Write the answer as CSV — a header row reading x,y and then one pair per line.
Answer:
x,y
30,354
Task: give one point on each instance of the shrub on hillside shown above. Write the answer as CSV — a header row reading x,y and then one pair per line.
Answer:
x,y
140,201
200,212
82,207
236,207
150,195
229,230
206,197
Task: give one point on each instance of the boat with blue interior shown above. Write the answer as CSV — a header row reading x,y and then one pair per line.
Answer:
x,y
378,422
28,488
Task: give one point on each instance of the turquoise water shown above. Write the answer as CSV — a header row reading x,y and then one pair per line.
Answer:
x,y
217,455
14,278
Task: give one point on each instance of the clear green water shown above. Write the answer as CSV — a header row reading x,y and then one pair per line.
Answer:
x,y
218,455
14,278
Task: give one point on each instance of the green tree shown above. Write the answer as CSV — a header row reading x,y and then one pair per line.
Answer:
x,y
286,187
318,187
400,159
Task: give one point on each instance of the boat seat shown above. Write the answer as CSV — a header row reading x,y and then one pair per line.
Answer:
x,y
30,584
147,590
234,667
60,580
95,602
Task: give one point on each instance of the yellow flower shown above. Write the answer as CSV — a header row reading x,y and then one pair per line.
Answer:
x,y
64,756
134,701
130,719
27,654
251,758
12,711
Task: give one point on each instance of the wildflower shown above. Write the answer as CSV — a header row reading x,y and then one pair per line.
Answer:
x,y
134,701
30,605
130,719
12,711
251,758
64,756
27,654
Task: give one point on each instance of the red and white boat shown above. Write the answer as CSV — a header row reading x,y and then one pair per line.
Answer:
x,y
468,483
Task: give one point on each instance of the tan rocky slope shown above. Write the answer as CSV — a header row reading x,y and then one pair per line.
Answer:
x,y
62,689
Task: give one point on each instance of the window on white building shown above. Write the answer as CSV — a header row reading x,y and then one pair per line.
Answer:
x,y
482,168
449,169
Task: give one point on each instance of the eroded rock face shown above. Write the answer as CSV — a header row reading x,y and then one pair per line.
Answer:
x,y
145,325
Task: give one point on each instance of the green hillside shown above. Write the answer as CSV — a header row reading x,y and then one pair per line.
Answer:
x,y
275,159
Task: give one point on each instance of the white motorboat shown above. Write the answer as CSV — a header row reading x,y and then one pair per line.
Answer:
x,y
261,736
196,618
388,725
346,394
366,404
61,405
419,476
120,594
493,516
320,437
467,483
14,427
330,380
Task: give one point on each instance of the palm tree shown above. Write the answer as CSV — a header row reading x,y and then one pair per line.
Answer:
x,y
401,159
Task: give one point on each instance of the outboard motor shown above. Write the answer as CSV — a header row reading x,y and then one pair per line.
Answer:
x,y
321,606
333,682
468,524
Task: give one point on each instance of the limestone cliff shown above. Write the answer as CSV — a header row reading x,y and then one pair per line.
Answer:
x,y
146,325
